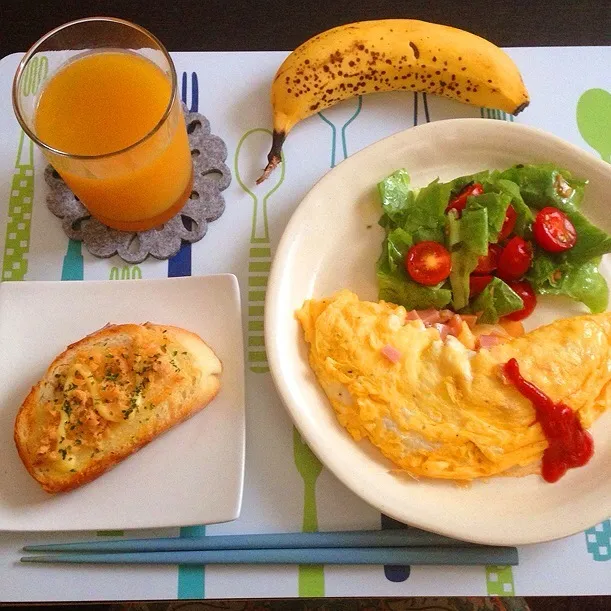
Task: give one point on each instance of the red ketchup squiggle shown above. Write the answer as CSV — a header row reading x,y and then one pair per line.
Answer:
x,y
570,445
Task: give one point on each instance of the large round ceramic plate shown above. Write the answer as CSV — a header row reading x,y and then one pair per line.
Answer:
x,y
333,241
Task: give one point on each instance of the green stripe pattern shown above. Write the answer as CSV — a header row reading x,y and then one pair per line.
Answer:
x,y
17,243
259,264
17,239
493,113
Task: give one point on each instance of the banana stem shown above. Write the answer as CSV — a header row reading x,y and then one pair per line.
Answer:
x,y
275,155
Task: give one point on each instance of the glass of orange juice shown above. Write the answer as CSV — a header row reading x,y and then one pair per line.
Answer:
x,y
108,119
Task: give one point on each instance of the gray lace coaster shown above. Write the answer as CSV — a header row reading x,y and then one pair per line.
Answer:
x,y
206,204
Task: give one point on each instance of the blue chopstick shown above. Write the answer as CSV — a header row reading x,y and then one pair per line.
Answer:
x,y
365,538
459,556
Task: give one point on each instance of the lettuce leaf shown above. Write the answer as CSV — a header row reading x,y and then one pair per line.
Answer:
x,y
592,242
396,287
420,214
546,185
496,300
426,217
582,282
396,197
525,216
495,205
396,245
467,241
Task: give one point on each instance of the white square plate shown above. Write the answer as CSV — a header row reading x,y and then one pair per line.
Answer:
x,y
194,473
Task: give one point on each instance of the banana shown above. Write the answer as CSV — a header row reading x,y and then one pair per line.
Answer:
x,y
385,55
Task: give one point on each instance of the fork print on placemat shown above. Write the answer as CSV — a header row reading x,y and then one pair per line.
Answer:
x,y
311,577
191,579
17,243
180,263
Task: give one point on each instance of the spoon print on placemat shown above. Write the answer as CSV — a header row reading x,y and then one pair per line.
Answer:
x,y
310,577
259,251
594,121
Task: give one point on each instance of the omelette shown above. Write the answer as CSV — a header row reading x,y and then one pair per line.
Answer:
x,y
437,403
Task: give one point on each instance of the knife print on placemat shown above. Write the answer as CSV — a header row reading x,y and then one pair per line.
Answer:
x,y
493,113
392,573
19,221
259,253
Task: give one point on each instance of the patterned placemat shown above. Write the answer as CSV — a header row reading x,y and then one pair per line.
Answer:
x,y
285,488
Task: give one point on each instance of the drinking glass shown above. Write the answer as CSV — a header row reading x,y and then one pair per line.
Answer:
x,y
108,119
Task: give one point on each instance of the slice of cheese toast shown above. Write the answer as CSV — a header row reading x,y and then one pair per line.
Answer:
x,y
108,395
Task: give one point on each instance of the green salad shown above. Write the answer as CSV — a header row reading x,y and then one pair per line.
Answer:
x,y
489,243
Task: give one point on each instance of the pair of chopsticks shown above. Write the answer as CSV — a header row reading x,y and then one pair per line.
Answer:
x,y
411,546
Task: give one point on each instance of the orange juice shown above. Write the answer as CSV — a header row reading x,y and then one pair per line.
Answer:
x,y
94,109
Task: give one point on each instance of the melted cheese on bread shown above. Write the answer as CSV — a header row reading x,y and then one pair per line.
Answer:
x,y
108,395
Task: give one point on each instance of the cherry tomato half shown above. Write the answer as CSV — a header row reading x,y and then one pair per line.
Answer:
x,y
428,263
514,259
488,263
553,230
509,223
460,201
477,284
525,291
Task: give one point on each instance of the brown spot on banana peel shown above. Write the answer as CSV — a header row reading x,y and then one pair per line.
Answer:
x,y
275,155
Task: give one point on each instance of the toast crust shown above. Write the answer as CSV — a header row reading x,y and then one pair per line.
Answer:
x,y
169,374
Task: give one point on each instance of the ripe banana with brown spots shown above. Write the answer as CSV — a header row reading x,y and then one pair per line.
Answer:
x,y
386,55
